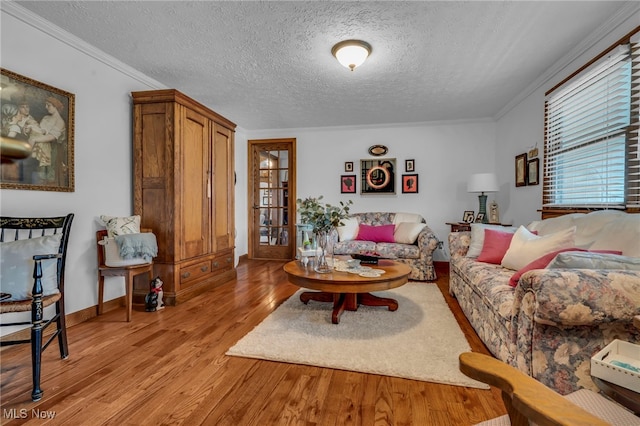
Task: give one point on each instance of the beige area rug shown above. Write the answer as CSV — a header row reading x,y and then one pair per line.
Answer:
x,y
420,341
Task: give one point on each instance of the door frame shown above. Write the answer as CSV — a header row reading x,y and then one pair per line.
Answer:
x,y
253,178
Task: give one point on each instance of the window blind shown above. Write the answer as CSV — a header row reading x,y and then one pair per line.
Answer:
x,y
591,135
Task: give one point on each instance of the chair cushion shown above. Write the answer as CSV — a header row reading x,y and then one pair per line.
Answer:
x,y
526,247
16,266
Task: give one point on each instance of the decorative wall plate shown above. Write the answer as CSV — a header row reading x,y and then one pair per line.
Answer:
x,y
378,150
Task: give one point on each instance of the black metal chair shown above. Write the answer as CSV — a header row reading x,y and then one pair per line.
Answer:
x,y
18,228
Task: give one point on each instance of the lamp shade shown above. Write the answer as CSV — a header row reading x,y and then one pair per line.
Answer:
x,y
482,182
351,53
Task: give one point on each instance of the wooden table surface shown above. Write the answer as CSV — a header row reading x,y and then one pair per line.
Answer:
x,y
346,290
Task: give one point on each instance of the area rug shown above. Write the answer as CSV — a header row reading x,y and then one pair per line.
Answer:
x,y
419,341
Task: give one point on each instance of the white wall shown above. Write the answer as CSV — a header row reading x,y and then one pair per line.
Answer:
x,y
103,146
445,155
522,127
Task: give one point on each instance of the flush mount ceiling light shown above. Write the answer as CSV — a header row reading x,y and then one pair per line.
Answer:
x,y
351,53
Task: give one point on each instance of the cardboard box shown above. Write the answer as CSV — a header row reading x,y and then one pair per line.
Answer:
x,y
618,363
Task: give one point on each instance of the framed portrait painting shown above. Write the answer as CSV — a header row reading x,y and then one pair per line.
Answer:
x,y
378,176
521,170
37,135
533,170
409,165
348,166
410,184
348,184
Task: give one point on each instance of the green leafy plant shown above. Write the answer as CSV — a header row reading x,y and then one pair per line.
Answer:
x,y
322,216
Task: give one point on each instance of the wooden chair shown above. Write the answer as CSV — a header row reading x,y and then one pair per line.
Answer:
x,y
14,229
527,399
128,272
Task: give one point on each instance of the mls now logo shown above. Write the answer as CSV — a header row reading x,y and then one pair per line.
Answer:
x,y
23,413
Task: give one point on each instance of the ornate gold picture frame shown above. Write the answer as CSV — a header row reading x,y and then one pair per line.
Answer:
x,y
37,135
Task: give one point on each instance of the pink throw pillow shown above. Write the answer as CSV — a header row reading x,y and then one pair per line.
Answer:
x,y
543,261
377,234
496,244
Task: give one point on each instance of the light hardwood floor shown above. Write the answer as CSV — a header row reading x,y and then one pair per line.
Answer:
x,y
170,367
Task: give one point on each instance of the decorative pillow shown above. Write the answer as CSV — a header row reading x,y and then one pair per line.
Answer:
x,y
477,236
377,234
121,225
595,261
621,234
407,232
526,246
496,244
349,230
16,266
407,217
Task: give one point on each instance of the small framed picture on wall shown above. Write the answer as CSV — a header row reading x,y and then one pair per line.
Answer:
x,y
409,165
533,168
410,184
521,169
348,166
348,184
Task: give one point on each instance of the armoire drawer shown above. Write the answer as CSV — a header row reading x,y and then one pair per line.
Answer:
x,y
195,271
222,263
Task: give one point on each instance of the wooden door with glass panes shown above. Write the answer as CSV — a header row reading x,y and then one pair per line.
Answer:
x,y
272,199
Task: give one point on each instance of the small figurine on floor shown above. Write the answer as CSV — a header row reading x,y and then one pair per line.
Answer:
x,y
153,300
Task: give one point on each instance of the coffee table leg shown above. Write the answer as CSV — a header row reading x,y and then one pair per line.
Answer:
x,y
339,304
369,299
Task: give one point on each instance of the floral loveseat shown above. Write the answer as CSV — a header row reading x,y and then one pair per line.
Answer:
x,y
559,314
404,237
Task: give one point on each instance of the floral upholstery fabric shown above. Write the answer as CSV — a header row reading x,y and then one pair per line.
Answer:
x,y
552,323
418,256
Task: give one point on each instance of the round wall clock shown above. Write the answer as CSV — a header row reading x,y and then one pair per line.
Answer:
x,y
378,150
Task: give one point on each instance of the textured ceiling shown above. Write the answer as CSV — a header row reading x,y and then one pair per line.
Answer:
x,y
268,65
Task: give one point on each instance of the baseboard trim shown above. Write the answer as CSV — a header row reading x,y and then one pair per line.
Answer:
x,y
72,319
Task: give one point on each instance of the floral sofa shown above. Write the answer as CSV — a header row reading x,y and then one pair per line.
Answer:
x,y
404,237
559,314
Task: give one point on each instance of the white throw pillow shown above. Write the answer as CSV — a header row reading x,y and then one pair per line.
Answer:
x,y
349,230
407,232
526,247
407,217
121,225
16,266
622,234
477,236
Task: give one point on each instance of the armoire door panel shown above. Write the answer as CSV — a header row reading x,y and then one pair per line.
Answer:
x,y
195,190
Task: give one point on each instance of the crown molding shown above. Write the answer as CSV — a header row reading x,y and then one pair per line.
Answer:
x,y
625,13
41,24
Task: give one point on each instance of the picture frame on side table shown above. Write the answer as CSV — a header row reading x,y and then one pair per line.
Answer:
x,y
409,165
348,184
521,169
533,171
479,217
467,217
410,184
348,166
38,140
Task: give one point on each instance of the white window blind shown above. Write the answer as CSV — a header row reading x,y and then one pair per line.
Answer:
x,y
591,135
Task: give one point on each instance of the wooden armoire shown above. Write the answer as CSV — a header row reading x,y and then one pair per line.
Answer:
x,y
183,170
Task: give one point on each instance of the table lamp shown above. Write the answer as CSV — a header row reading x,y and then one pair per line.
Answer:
x,y
483,182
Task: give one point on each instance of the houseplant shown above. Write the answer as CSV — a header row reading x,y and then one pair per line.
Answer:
x,y
323,218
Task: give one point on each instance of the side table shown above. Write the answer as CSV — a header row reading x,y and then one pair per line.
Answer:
x,y
459,226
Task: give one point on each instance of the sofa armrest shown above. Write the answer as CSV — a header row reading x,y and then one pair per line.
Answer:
x,y
427,242
459,243
578,297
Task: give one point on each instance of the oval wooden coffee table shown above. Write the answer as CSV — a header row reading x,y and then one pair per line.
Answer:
x,y
347,290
